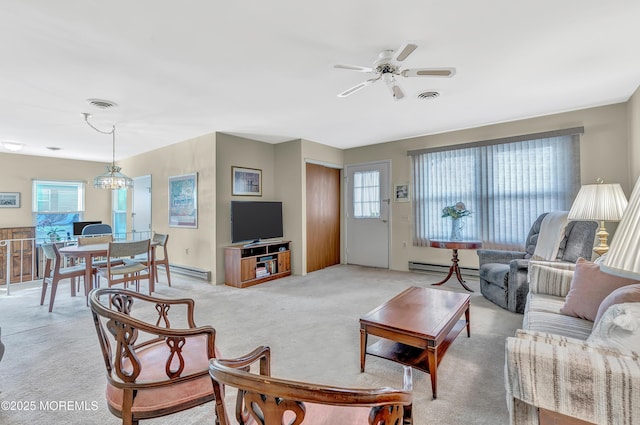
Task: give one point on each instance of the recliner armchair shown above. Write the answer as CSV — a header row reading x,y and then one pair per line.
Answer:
x,y
503,274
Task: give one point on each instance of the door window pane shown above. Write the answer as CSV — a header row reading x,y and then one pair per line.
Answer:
x,y
366,194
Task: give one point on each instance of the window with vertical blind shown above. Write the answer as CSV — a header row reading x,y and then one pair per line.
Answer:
x,y
56,205
505,183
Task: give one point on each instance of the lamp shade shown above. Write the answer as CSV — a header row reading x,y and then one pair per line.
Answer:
x,y
623,258
605,202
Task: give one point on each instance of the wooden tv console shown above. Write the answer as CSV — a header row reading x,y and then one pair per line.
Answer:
x,y
250,265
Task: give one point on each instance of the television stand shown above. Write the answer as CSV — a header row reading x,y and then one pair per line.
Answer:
x,y
254,263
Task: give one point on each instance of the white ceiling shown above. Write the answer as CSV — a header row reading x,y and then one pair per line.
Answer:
x,y
264,69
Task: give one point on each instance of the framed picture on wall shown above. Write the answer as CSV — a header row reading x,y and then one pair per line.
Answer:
x,y
246,181
183,200
9,199
402,192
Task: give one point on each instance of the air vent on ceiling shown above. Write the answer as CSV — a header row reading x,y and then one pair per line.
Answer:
x,y
428,95
101,103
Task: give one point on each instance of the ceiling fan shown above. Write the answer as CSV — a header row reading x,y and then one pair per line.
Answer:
x,y
387,68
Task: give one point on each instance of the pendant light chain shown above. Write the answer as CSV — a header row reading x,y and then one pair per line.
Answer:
x,y
113,178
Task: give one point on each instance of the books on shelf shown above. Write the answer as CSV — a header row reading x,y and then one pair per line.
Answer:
x,y
267,268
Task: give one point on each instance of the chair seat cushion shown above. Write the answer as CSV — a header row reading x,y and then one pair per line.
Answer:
x,y
495,273
125,268
153,360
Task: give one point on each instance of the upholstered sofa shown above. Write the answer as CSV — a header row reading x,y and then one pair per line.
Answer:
x,y
564,369
503,274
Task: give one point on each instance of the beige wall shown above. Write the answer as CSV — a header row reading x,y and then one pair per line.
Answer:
x,y
610,148
18,172
246,153
290,190
633,113
604,147
283,179
186,246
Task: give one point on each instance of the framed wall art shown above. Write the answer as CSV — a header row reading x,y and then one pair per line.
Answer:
x,y
402,192
183,200
9,199
246,181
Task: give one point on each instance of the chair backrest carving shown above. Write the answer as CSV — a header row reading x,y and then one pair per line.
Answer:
x,y
118,331
274,401
168,364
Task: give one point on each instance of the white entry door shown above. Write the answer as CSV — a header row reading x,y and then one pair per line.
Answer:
x,y
367,210
141,208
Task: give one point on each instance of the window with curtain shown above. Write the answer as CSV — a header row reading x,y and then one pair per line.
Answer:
x,y
366,194
506,184
56,206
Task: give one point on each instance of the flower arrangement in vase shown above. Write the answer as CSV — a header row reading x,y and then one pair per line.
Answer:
x,y
456,212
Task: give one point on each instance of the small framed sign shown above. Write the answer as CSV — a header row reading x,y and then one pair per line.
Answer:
x,y
9,199
402,192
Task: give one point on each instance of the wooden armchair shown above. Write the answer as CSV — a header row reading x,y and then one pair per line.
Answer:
x,y
265,400
154,368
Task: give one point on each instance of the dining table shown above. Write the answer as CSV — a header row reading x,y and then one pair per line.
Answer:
x,y
91,251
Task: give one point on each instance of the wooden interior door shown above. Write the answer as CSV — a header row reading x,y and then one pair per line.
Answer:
x,y
323,217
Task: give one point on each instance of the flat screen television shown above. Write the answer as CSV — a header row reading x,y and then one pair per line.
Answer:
x,y
252,221
79,225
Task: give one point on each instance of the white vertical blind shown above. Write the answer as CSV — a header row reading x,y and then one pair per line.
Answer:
x,y
506,186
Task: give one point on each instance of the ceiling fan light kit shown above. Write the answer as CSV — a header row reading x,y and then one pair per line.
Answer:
x,y
388,66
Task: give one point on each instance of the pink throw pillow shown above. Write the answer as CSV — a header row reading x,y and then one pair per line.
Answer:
x,y
589,287
625,294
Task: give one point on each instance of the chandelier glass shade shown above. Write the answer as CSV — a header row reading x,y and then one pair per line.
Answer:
x,y
112,179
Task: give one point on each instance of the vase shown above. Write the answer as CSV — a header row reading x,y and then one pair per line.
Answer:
x,y
456,229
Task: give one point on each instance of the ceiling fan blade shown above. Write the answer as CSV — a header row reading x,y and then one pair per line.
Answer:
x,y
357,87
428,72
404,51
354,68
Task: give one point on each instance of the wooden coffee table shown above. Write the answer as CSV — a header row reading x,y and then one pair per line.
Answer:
x,y
416,328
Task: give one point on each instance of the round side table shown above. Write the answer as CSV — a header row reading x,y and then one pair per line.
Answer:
x,y
455,246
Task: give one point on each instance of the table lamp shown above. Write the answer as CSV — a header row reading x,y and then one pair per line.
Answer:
x,y
602,202
623,258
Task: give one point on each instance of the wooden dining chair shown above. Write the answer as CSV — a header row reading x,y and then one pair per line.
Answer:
x,y
156,357
129,270
263,399
54,272
161,242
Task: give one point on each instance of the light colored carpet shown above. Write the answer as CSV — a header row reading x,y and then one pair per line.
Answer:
x,y
310,323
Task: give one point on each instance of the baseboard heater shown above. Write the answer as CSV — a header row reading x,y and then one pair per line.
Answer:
x,y
191,271
440,268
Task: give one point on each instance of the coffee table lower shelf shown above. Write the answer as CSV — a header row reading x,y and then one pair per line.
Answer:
x,y
413,356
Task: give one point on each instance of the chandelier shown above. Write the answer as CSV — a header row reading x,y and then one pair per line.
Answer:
x,y
113,178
